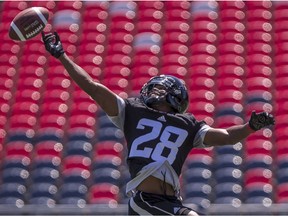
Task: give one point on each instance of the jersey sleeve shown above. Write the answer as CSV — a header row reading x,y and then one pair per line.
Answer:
x,y
118,120
200,135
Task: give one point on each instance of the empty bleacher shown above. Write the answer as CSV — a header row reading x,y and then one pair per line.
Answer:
x,y
58,147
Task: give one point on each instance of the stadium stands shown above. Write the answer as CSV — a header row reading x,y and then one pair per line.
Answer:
x,y
58,147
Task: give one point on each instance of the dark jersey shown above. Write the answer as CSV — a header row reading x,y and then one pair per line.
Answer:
x,y
153,135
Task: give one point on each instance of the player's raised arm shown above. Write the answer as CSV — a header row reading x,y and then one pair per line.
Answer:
x,y
234,134
106,99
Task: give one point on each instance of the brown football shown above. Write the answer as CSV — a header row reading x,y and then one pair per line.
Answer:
x,y
28,23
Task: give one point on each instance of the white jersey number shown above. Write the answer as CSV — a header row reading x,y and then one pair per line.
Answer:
x,y
138,148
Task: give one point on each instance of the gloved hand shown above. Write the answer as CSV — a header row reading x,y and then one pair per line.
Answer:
x,y
260,120
53,44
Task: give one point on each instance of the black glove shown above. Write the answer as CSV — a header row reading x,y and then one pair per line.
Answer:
x,y
260,120
53,44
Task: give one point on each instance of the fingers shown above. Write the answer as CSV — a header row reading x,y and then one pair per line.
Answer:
x,y
57,37
47,37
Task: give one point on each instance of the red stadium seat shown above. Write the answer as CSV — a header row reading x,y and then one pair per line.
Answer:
x,y
48,148
104,193
258,175
76,162
259,146
23,121
108,148
282,193
18,148
281,148
74,5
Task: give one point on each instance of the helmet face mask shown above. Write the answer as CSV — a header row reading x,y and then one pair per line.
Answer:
x,y
176,93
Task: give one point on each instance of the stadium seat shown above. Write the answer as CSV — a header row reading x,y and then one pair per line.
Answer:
x,y
82,121
110,133
228,161
49,147
228,110
46,161
259,190
80,133
108,147
282,175
258,161
200,204
198,161
236,149
75,5
20,133
198,190
204,11
236,202
73,201
200,175
104,121
76,162
281,193
259,146
16,161
18,148
257,175
15,175
45,175
228,189
72,193
103,193
229,174
49,133
281,149
12,190
42,201
76,175
39,190
108,175
79,147
106,161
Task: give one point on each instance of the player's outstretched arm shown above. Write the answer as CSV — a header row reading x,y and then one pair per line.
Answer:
x,y
106,99
235,134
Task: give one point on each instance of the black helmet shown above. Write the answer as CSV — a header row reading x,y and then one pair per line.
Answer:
x,y
176,92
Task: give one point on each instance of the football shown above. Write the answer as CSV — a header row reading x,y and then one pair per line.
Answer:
x,y
28,23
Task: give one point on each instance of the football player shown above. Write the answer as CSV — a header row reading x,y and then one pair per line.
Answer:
x,y
159,134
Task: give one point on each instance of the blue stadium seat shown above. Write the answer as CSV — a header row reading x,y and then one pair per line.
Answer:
x,y
15,175
227,160
16,161
282,175
42,190
228,174
236,149
108,175
45,175
198,190
228,189
79,147
12,190
72,193
198,161
76,175
198,175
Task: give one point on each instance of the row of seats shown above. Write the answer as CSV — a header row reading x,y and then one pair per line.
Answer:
x,y
60,148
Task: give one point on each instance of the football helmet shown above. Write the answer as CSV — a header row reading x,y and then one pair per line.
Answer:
x,y
176,92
